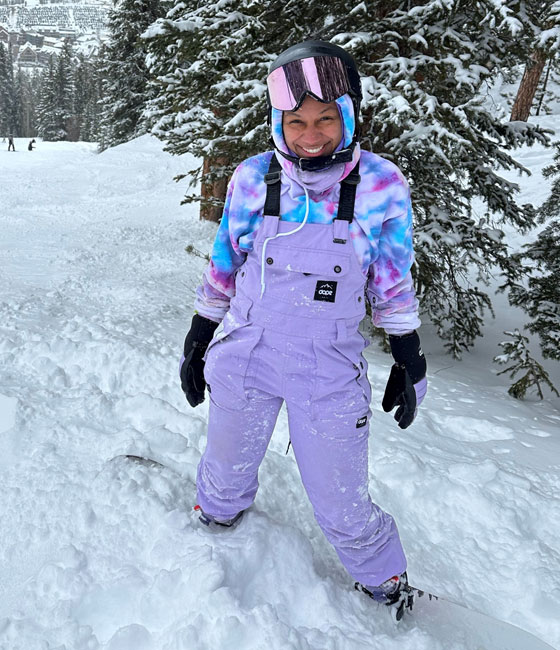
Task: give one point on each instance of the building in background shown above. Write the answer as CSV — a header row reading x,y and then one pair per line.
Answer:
x,y
33,30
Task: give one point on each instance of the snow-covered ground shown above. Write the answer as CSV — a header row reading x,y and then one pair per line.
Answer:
x,y
96,294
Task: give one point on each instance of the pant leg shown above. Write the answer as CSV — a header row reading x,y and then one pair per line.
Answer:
x,y
332,455
227,477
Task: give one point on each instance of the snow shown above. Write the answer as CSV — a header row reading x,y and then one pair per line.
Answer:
x,y
96,294
8,407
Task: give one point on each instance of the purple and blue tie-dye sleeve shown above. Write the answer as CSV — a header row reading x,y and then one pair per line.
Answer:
x,y
218,285
390,288
241,217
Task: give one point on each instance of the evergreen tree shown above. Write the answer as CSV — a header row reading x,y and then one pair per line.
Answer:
x,y
85,106
426,67
517,355
9,97
123,68
209,62
4,91
57,103
539,297
54,111
26,104
426,73
49,127
89,128
80,82
533,285
63,89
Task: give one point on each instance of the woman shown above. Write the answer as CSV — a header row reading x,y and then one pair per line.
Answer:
x,y
309,232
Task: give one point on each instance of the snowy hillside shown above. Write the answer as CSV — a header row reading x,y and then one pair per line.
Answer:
x,y
96,294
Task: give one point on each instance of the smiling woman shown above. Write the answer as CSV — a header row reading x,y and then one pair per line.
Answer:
x,y
314,129
291,313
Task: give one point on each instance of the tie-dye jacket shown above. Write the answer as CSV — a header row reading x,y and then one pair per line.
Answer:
x,y
381,231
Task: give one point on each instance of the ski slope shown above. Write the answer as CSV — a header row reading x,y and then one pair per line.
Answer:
x,y
96,294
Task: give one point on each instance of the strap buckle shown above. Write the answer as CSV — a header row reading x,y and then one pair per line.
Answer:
x,y
352,179
271,178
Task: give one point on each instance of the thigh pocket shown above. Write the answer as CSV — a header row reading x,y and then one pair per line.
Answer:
x,y
342,387
226,363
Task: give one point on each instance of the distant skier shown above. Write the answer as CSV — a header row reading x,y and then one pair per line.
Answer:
x,y
291,313
30,145
11,146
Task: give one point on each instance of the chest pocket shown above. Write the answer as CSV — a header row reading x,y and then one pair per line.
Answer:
x,y
309,261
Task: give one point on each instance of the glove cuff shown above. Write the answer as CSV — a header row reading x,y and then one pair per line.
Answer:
x,y
201,333
407,352
203,328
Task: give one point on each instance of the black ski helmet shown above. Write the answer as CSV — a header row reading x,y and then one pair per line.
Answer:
x,y
321,50
320,70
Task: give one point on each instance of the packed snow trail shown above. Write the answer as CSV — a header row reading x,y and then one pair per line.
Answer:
x,y
96,294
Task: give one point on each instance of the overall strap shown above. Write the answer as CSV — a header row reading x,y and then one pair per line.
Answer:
x,y
348,194
273,187
346,202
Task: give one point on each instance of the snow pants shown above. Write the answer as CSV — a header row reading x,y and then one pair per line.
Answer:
x,y
250,374
292,335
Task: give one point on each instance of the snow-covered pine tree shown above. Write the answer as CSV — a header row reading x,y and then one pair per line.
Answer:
x,y
89,127
209,63
9,104
85,107
54,112
124,72
64,90
48,125
517,355
26,104
539,261
3,92
80,86
5,78
427,66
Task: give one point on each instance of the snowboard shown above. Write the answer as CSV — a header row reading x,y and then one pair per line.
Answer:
x,y
141,460
468,628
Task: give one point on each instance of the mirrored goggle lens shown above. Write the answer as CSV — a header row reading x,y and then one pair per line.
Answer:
x,y
323,77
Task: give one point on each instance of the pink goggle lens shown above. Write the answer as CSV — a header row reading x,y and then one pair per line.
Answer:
x,y
322,77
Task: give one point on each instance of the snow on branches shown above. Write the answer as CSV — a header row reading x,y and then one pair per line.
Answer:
x,y
517,355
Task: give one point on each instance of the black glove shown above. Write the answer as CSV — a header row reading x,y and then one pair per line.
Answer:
x,y
192,364
407,383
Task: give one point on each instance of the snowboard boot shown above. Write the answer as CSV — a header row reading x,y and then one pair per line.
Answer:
x,y
394,592
209,521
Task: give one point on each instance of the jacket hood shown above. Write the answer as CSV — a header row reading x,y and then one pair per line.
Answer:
x,y
324,179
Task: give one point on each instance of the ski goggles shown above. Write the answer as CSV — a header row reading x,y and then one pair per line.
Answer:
x,y
322,77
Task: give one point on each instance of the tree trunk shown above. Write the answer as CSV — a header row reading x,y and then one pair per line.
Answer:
x,y
212,191
528,87
72,129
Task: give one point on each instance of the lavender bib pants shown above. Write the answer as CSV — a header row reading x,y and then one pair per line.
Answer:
x,y
298,342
